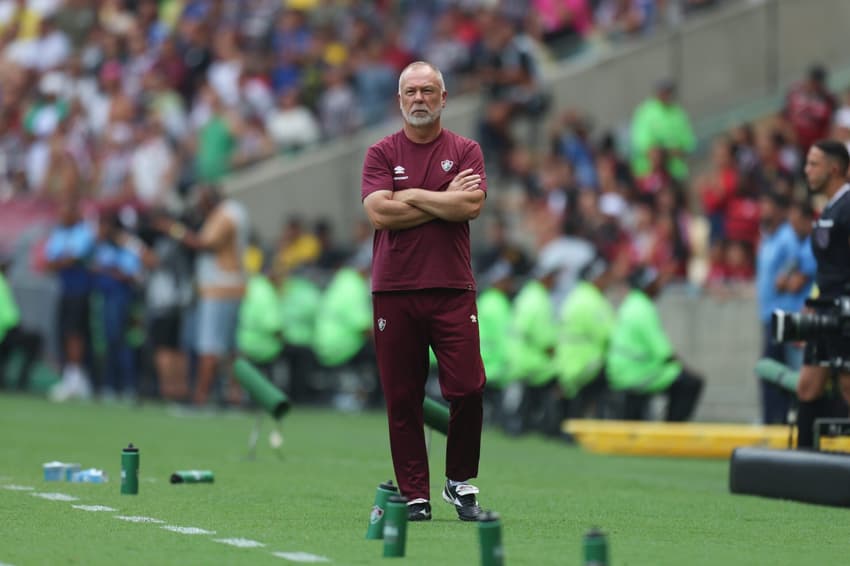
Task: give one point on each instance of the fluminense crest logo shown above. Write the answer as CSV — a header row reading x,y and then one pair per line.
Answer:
x,y
382,323
447,164
376,515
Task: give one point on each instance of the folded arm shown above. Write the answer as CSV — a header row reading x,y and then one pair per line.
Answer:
x,y
453,206
387,213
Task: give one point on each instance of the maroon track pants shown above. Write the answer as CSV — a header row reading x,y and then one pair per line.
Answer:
x,y
406,323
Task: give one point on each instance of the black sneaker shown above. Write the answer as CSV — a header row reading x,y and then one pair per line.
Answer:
x,y
419,510
462,496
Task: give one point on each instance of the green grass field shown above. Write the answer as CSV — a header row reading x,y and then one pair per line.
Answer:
x,y
316,498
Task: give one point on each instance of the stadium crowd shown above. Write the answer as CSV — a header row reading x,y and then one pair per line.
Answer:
x,y
131,113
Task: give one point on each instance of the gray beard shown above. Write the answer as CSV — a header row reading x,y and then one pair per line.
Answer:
x,y
421,120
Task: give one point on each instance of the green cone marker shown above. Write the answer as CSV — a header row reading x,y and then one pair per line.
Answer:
x,y
395,526
130,470
490,537
379,509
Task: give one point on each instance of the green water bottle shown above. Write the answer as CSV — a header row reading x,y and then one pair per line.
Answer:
x,y
395,526
490,536
130,470
595,548
192,476
376,517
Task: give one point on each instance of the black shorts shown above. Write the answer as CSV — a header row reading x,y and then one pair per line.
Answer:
x,y
164,331
74,315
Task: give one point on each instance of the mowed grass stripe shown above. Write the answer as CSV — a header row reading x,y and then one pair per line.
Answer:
x,y
317,496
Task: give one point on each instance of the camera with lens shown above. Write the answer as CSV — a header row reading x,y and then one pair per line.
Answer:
x,y
831,319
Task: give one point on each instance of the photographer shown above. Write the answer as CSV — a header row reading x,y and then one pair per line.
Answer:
x,y
826,171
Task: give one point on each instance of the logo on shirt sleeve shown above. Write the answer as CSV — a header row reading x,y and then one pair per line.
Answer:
x,y
399,174
447,164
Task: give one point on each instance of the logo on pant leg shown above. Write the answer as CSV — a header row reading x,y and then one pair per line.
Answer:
x,y
473,319
382,323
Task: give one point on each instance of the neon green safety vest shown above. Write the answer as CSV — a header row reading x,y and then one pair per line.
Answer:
x,y
258,335
585,326
494,323
640,356
533,335
343,319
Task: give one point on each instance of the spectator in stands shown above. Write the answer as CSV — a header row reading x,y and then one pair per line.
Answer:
x,y
296,246
67,252
292,125
809,107
660,121
216,140
718,186
573,143
220,245
617,19
15,339
153,165
116,269
338,106
374,80
565,23
641,361
841,121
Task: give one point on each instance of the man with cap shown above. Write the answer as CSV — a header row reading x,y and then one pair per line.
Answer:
x,y
660,121
641,361
494,324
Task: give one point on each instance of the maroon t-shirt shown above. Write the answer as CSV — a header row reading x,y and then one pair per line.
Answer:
x,y
431,255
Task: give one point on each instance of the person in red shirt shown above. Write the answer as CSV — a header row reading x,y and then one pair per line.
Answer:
x,y
420,187
809,107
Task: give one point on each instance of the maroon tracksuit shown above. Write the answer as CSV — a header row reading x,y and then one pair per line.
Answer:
x,y
424,295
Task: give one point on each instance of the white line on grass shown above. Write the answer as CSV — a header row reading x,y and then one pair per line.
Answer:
x,y
187,530
55,496
13,487
93,508
301,557
138,519
240,542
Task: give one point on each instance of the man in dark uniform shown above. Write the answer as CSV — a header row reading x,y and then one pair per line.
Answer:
x,y
826,172
421,186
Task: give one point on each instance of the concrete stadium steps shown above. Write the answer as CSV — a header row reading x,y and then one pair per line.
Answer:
x,y
686,440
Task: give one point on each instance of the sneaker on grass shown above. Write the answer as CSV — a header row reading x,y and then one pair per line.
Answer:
x,y
462,496
419,510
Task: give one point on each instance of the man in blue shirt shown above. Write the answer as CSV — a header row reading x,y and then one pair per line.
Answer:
x,y
67,252
778,257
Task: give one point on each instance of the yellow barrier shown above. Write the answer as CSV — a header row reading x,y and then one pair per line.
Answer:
x,y
688,440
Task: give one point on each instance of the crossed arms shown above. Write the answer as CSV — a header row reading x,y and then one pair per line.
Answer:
x,y
461,201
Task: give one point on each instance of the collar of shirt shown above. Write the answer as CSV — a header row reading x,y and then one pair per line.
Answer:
x,y
844,188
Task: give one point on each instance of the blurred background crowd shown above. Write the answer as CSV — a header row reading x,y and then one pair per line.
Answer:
x,y
118,119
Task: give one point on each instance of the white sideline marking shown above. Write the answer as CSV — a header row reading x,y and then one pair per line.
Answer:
x,y
301,557
240,542
188,530
4,564
55,496
13,487
93,508
138,519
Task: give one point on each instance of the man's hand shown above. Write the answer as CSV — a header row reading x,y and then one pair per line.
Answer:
x,y
466,180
